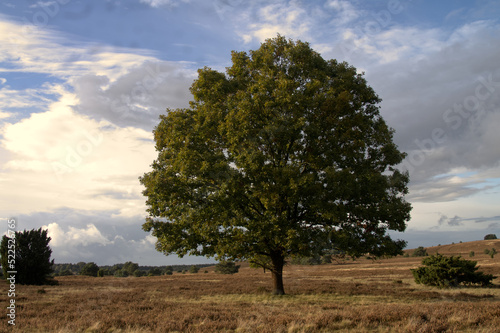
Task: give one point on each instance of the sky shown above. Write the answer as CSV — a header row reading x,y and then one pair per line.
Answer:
x,y
82,84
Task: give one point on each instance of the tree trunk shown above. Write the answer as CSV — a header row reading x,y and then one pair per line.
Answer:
x,y
277,272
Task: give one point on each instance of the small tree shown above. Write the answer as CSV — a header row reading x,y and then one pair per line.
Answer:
x,y
442,271
227,267
155,271
420,252
490,236
130,267
90,269
31,256
121,273
139,273
471,254
194,269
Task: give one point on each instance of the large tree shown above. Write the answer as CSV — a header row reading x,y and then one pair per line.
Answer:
x,y
284,154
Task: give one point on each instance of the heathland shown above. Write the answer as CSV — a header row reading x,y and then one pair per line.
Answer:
x,y
354,296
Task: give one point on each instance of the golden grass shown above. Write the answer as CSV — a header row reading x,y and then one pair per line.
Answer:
x,y
361,296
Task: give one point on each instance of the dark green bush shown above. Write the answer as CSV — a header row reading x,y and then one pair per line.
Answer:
x,y
444,272
490,236
28,253
121,273
90,269
227,267
420,252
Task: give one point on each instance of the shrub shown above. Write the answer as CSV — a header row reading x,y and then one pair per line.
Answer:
x,y
101,272
490,236
471,254
121,273
139,273
65,272
32,257
227,267
194,269
486,251
420,252
155,271
90,269
442,271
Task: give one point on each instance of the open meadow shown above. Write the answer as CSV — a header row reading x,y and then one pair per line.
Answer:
x,y
360,296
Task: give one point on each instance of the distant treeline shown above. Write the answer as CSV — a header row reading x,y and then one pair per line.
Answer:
x,y
76,269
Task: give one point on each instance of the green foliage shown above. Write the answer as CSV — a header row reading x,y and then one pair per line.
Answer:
x,y
121,273
472,254
194,269
486,251
101,272
130,267
31,257
490,236
420,252
284,152
227,267
442,271
90,269
156,272
139,273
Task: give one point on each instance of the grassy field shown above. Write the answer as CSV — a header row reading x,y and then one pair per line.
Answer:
x,y
360,296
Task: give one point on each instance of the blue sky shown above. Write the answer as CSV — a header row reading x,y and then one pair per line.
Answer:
x,y
82,84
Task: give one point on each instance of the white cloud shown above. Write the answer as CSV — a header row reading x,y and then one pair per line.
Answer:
x,y
28,48
346,12
289,19
75,236
160,3
55,152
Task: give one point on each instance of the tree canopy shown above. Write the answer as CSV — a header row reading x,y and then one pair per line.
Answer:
x,y
284,154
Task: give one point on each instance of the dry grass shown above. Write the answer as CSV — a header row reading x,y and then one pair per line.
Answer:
x,y
361,296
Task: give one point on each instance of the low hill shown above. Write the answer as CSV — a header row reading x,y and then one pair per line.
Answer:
x,y
463,249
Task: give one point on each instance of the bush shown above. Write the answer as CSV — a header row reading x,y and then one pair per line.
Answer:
x,y
130,267
90,269
441,271
155,271
31,257
121,273
139,273
472,254
420,252
486,251
227,267
65,272
490,236
194,269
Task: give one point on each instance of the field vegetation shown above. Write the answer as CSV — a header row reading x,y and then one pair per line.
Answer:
x,y
356,296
